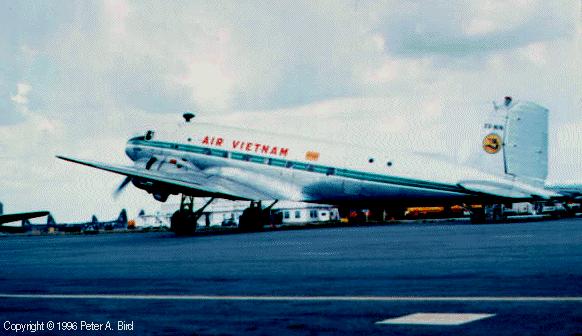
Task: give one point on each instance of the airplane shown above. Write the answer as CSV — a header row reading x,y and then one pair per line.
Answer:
x,y
205,160
7,218
93,226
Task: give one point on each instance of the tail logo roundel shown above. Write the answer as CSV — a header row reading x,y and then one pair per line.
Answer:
x,y
492,143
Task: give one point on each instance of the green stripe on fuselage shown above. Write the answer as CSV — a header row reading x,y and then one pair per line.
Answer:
x,y
258,159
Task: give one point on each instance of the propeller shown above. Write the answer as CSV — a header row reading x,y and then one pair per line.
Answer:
x,y
121,187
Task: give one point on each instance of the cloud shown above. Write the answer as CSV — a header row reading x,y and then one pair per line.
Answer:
x,y
492,16
473,28
566,153
480,27
535,53
22,92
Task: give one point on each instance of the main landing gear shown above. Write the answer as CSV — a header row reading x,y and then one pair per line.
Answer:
x,y
254,218
183,221
489,213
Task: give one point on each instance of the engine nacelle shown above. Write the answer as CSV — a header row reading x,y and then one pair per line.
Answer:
x,y
167,166
159,191
161,197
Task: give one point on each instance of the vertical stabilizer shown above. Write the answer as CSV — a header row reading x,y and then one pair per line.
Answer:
x,y
514,141
50,221
122,218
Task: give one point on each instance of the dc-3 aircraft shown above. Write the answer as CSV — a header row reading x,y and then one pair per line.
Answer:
x,y
203,160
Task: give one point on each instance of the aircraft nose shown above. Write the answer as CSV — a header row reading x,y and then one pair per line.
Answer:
x,y
130,148
129,151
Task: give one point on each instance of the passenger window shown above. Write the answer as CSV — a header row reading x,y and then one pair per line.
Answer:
x,y
297,214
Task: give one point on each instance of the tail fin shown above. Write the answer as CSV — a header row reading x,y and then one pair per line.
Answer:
x,y
515,141
122,219
50,221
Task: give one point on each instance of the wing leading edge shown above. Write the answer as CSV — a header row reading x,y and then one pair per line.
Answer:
x,y
192,183
21,216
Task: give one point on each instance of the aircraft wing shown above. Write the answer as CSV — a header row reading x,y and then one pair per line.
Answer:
x,y
20,216
196,183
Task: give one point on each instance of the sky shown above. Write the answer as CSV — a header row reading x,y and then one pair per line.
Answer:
x,y
80,77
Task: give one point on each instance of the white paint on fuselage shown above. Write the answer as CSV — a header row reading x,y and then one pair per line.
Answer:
x,y
300,185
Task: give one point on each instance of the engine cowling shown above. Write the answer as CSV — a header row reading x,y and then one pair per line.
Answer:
x,y
168,166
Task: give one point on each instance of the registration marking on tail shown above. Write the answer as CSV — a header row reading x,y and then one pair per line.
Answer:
x,y
440,319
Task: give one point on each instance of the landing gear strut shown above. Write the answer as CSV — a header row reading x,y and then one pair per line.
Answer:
x,y
183,221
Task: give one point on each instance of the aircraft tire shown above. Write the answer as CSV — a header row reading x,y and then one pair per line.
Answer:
x,y
478,216
488,214
251,220
498,213
183,223
536,210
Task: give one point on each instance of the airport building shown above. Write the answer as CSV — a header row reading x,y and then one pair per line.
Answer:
x,y
298,212
227,213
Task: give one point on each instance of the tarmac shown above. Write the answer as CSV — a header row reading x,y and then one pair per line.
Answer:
x,y
503,279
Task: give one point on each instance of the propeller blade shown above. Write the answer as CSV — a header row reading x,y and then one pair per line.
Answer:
x,y
121,187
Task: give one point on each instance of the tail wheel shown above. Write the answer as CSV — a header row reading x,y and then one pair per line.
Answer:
x,y
478,216
492,213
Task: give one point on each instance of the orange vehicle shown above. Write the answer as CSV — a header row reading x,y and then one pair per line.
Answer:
x,y
435,212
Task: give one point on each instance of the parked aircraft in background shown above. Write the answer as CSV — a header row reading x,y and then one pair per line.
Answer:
x,y
203,160
93,226
51,225
7,218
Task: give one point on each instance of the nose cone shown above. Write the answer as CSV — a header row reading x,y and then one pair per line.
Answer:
x,y
132,149
129,151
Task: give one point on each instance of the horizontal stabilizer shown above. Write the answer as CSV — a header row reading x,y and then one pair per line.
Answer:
x,y
567,189
507,189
